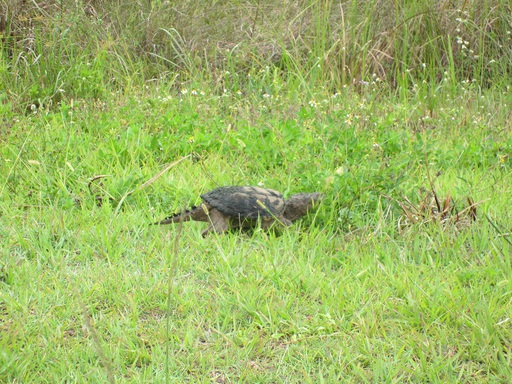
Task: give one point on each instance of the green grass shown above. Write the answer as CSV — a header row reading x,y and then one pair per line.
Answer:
x,y
342,295
90,292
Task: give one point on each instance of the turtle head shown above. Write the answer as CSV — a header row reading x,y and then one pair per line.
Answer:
x,y
298,205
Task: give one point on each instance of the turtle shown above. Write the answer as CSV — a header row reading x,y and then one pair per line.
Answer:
x,y
244,206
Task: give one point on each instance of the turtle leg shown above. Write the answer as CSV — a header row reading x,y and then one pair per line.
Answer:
x,y
266,224
283,221
218,222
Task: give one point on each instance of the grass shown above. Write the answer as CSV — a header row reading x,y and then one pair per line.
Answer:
x,y
90,292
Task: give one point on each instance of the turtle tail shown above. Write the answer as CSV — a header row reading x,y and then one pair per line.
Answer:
x,y
179,217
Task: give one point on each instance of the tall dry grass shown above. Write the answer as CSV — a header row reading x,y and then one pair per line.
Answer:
x,y
52,46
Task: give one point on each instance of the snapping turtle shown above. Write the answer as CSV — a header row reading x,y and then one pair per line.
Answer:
x,y
237,207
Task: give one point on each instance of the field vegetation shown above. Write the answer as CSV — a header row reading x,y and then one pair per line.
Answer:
x,y
116,114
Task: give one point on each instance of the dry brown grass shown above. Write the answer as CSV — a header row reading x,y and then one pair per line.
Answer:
x,y
349,40
433,209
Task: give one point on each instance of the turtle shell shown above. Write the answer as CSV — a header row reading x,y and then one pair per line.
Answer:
x,y
246,202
